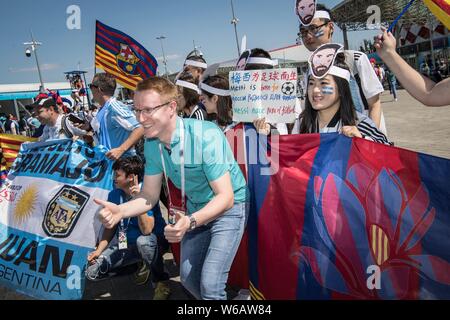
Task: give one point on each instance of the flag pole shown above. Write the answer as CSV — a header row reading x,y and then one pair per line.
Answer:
x,y
392,25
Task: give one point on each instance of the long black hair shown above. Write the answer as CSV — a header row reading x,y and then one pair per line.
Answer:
x,y
347,113
191,97
224,115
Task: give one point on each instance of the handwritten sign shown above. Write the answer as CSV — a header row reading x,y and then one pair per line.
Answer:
x,y
266,94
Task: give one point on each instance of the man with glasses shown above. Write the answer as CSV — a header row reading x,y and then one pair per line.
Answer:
x,y
196,158
364,83
115,125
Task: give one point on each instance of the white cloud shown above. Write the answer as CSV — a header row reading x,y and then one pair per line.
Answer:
x,y
169,57
44,67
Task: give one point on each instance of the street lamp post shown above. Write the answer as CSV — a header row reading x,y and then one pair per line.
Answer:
x,y
433,65
234,22
161,38
196,51
34,45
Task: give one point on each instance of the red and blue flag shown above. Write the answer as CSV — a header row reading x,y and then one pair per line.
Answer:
x,y
348,219
120,55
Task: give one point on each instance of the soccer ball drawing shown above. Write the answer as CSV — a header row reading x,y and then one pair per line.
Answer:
x,y
288,88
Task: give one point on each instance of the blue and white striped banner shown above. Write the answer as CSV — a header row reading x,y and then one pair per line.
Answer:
x,y
48,218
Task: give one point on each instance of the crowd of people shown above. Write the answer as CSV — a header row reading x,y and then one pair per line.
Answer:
x,y
27,125
157,141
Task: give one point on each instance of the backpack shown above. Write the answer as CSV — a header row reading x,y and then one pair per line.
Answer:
x,y
7,125
23,125
65,128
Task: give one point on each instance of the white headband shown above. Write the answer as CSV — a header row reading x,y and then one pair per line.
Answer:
x,y
336,71
321,14
196,64
339,72
265,61
216,91
188,85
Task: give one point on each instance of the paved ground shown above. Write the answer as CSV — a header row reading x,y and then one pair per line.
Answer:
x,y
410,125
123,287
119,288
413,126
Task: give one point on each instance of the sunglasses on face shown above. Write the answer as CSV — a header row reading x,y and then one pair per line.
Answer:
x,y
93,86
312,29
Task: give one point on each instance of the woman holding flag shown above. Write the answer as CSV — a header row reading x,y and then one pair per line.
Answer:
x,y
329,105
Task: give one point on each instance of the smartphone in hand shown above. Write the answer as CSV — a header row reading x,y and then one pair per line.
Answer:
x,y
75,119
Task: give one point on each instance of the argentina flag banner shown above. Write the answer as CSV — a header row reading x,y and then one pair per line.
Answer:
x,y
48,221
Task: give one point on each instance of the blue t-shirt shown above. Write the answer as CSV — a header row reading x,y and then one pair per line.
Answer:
x,y
208,157
117,196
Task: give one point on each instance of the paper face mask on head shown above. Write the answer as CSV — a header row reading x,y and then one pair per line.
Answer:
x,y
305,10
242,62
323,58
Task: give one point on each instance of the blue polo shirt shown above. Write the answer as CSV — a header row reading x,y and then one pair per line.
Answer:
x,y
208,157
117,196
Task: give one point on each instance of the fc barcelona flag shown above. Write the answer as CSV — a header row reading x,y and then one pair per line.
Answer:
x,y
120,55
9,149
345,218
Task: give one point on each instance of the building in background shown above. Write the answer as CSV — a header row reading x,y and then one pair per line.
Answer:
x,y
14,97
414,44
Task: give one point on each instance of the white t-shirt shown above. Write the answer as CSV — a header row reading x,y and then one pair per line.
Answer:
x,y
57,132
359,64
299,107
362,69
14,127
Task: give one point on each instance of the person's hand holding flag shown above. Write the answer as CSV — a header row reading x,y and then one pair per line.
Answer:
x,y
115,154
385,44
174,233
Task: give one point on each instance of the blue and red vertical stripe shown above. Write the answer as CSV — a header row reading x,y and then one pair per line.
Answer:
x,y
339,208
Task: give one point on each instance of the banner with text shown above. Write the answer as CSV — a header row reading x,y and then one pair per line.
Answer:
x,y
47,217
266,94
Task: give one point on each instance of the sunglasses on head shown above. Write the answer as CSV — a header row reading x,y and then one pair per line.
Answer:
x,y
93,86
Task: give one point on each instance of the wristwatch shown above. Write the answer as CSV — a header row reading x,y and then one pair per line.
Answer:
x,y
193,223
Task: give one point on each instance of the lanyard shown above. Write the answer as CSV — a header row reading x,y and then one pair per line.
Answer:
x,y
122,225
183,191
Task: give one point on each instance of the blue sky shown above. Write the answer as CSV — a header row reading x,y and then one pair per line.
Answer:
x,y
268,24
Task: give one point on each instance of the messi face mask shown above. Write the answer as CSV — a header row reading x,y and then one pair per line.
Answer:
x,y
305,10
321,62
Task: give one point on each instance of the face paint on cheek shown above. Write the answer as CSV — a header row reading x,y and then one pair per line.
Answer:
x,y
327,90
319,33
